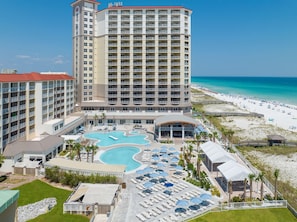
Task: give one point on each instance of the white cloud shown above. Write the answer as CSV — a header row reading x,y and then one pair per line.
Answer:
x,y
23,56
59,59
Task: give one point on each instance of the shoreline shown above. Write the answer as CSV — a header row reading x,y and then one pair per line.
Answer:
x,y
275,113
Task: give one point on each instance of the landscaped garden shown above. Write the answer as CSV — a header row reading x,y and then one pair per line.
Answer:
x,y
38,190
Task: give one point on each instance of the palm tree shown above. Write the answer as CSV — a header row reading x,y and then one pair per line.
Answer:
x,y
276,175
103,116
2,158
96,120
261,178
215,134
204,135
230,189
93,150
70,144
244,188
198,138
88,150
199,160
251,178
210,136
77,148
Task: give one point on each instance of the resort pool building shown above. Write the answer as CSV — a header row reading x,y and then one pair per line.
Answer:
x,y
122,156
117,137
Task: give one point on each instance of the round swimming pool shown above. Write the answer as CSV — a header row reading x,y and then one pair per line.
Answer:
x,y
117,137
121,155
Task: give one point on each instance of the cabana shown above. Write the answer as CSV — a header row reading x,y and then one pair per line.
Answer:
x,y
93,198
214,155
276,140
235,172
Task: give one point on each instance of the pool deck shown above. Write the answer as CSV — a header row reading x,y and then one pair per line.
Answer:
x,y
134,205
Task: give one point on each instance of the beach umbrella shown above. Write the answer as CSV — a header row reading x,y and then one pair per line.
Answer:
x,y
168,184
162,180
155,150
173,164
205,196
196,200
168,192
178,173
179,167
163,174
154,180
155,158
148,170
153,175
147,191
194,207
163,147
180,210
164,160
165,155
140,177
159,170
163,150
148,184
174,160
182,203
204,203
175,153
160,165
155,155
140,172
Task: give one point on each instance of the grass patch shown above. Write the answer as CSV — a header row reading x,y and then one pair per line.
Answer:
x,y
257,215
38,190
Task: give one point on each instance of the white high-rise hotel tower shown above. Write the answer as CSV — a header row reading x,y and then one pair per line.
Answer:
x,y
131,57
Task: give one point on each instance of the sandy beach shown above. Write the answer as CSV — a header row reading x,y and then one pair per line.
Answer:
x,y
278,118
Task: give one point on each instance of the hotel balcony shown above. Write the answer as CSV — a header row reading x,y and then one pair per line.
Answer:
x,y
112,95
163,89
150,102
162,95
150,89
175,102
137,76
162,102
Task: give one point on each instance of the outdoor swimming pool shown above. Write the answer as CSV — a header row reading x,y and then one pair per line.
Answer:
x,y
116,137
121,155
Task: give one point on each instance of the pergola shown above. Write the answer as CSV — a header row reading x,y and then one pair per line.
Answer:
x,y
235,172
215,155
276,139
178,126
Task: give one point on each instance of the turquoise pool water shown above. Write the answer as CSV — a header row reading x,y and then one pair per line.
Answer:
x,y
121,155
116,137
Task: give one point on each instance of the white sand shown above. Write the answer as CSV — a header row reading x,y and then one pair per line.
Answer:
x,y
277,114
286,164
281,115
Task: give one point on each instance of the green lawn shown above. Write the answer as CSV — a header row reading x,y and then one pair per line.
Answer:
x,y
38,190
257,215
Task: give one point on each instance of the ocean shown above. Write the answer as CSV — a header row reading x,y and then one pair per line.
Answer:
x,y
279,89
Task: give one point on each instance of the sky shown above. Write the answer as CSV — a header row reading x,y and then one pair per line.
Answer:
x,y
229,37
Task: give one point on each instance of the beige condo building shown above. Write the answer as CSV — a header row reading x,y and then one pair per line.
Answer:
x,y
131,58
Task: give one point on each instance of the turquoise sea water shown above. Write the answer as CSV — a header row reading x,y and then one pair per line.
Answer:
x,y
122,155
281,89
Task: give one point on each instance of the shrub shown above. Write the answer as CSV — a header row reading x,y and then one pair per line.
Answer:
x,y
72,179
